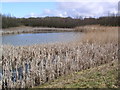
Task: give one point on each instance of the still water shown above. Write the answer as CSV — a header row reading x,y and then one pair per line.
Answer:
x,y
39,38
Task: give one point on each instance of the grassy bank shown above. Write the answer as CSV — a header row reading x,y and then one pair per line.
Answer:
x,y
104,76
49,62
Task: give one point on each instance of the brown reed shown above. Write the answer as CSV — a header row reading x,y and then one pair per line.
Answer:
x,y
48,62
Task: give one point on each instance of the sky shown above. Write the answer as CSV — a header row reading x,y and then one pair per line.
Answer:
x,y
60,8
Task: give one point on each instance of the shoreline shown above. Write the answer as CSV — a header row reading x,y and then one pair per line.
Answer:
x,y
24,29
27,29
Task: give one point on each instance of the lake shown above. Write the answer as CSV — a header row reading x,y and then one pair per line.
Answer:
x,y
39,38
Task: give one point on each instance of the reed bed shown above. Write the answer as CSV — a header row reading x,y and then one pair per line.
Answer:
x,y
29,66
100,34
95,28
24,29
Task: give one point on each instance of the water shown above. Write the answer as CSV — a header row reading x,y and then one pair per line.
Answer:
x,y
39,38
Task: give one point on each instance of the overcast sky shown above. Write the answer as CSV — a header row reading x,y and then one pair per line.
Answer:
x,y
62,8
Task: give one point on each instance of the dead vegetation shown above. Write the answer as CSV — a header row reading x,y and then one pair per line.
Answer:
x,y
100,34
26,29
28,66
104,76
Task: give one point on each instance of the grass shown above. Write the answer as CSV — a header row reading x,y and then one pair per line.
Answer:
x,y
104,76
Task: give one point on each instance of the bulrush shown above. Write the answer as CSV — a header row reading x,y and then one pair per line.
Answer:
x,y
29,66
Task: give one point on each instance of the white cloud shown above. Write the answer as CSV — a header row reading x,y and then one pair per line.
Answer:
x,y
47,11
32,14
88,8
55,12
75,9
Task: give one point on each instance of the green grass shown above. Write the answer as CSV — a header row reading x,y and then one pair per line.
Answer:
x,y
104,76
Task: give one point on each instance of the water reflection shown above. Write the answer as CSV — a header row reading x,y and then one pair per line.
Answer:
x,y
39,38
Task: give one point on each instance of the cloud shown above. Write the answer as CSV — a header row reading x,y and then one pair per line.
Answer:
x,y
55,12
32,14
76,9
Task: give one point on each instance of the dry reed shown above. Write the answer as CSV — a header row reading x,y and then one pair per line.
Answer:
x,y
100,34
28,66
24,29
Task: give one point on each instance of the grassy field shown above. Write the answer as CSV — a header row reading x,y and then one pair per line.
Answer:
x,y
104,76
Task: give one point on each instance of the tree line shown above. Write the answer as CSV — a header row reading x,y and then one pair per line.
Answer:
x,y
58,22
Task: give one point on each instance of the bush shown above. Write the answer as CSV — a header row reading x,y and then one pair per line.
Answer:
x,y
58,22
